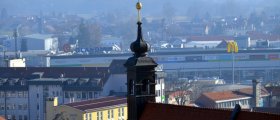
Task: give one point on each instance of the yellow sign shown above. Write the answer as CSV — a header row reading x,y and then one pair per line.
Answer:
x,y
232,46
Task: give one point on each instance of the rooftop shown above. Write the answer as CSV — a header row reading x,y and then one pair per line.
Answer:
x,y
232,94
98,103
39,36
155,111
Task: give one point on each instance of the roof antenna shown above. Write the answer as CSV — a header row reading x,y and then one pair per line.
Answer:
x,y
139,7
15,37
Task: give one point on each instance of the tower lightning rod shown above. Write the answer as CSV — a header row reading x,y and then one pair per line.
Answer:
x,y
139,7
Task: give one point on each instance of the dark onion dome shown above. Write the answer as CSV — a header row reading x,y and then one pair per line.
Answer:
x,y
140,46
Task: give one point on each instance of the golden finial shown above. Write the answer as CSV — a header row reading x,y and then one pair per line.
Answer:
x,y
139,7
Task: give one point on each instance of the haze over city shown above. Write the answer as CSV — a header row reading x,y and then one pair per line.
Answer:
x,y
139,59
152,7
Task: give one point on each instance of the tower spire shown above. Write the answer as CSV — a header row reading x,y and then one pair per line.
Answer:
x,y
140,46
140,75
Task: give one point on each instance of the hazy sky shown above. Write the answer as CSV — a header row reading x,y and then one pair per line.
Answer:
x,y
151,7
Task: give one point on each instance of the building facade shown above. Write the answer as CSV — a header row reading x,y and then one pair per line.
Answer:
x,y
186,63
107,108
24,97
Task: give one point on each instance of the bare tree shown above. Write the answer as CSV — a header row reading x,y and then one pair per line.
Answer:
x,y
89,35
182,97
181,92
60,116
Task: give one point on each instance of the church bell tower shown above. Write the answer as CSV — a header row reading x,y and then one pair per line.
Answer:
x,y
140,74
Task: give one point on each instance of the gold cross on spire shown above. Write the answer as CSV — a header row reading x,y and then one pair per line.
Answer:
x,y
139,7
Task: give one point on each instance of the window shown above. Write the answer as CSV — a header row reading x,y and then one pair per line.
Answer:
x,y
13,117
95,95
71,94
14,94
2,106
37,106
25,94
84,96
9,117
219,105
112,114
13,106
8,107
66,95
25,117
99,116
20,117
157,93
109,115
90,95
24,106
20,107
119,112
8,94
2,94
122,111
78,95
20,94
89,117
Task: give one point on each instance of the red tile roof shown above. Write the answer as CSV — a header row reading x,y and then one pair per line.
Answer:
x,y
2,118
155,111
179,93
226,95
98,103
257,36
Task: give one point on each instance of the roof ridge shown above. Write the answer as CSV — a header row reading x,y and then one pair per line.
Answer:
x,y
99,102
90,100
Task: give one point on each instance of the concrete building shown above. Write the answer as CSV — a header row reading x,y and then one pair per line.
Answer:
x,y
33,58
194,63
14,102
40,42
17,62
107,108
66,84
23,91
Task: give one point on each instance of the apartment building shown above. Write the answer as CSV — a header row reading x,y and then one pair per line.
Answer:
x,y
106,108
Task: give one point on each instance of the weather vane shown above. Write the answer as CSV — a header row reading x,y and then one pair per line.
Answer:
x,y
139,7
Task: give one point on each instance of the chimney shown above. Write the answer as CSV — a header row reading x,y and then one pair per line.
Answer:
x,y
256,93
51,108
